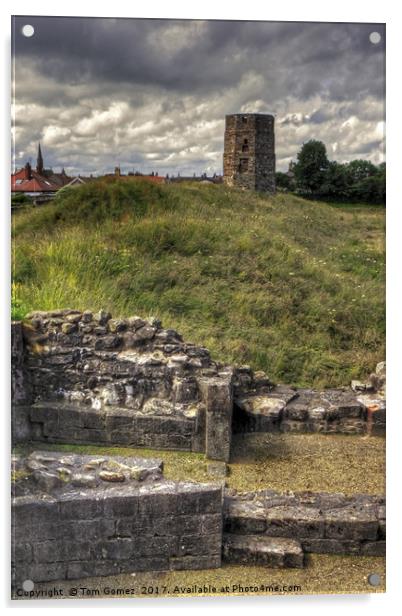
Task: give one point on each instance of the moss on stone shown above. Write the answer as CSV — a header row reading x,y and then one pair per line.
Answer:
x,y
19,475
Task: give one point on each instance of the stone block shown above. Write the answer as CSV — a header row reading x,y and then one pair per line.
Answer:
x,y
121,505
194,545
48,551
296,412
177,524
217,397
111,342
211,524
116,548
22,552
88,530
31,511
350,523
259,550
212,561
331,546
294,521
150,545
245,518
373,548
209,499
80,509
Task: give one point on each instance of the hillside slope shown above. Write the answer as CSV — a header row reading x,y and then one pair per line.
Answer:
x,y
292,287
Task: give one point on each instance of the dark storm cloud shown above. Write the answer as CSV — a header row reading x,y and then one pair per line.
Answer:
x,y
215,52
157,90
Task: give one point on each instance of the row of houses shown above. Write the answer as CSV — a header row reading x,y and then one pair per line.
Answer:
x,y
42,184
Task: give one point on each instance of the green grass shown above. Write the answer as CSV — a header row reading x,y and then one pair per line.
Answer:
x,y
289,286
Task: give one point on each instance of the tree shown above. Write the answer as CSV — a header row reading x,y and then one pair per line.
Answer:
x,y
284,181
359,170
336,182
370,189
312,164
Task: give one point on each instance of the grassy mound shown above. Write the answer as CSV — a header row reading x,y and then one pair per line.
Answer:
x,y
290,286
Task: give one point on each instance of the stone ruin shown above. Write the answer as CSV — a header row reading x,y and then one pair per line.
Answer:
x,y
76,516
80,377
249,151
84,378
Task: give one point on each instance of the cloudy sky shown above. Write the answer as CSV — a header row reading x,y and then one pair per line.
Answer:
x,y
152,94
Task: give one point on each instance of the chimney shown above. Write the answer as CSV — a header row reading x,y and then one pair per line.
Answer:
x,y
28,172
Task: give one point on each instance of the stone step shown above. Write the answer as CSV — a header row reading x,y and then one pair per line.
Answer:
x,y
262,550
306,516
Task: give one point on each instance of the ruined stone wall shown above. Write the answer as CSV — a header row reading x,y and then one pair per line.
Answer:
x,y
76,516
84,516
249,152
261,406
20,386
319,522
80,377
94,379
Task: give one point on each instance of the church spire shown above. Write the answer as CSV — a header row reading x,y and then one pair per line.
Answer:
x,y
39,161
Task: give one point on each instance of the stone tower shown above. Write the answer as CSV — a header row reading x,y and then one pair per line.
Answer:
x,y
249,152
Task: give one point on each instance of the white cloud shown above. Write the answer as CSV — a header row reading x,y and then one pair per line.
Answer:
x,y
98,119
52,135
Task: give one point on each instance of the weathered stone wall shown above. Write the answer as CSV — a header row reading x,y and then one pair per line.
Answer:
x,y
249,151
320,522
80,516
261,406
20,386
80,377
127,381
76,516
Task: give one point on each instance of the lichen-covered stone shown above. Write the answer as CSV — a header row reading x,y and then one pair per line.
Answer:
x,y
112,528
102,317
112,476
84,364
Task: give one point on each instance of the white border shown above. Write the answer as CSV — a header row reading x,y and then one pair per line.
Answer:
x,y
290,10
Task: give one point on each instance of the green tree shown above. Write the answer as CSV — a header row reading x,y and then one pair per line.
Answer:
x,y
312,164
366,181
336,181
284,181
359,170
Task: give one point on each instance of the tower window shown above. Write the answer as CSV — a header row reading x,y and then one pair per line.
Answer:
x,y
244,120
244,147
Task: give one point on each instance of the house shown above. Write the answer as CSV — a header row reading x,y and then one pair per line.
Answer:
x,y
38,182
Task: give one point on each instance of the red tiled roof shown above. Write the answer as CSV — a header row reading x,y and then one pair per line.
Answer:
x,y
37,183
